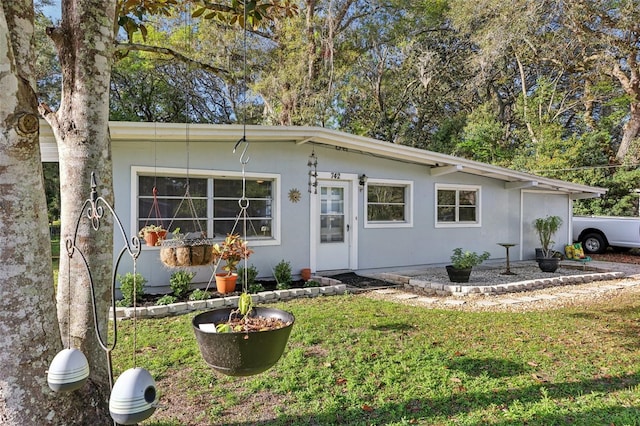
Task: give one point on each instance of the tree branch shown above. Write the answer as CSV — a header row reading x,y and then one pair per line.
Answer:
x,y
127,47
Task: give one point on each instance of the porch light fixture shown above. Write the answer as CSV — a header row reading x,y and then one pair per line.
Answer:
x,y
312,163
362,179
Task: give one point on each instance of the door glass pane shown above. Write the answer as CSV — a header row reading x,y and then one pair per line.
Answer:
x,y
332,215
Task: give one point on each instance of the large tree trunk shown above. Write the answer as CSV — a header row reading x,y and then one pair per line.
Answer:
x,y
29,335
630,132
85,42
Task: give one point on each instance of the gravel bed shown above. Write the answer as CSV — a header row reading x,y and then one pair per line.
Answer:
x,y
563,296
489,275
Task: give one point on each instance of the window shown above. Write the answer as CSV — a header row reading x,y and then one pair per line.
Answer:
x,y
457,205
212,205
388,203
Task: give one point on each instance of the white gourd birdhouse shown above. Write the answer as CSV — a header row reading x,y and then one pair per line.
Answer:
x,y
133,397
68,371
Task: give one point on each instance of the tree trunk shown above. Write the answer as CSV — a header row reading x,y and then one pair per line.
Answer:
x,y
630,132
28,337
81,129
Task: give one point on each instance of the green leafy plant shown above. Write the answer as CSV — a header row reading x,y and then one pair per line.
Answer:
x,y
245,305
129,282
312,283
256,288
232,250
546,229
251,272
180,282
151,228
282,274
199,294
166,300
462,259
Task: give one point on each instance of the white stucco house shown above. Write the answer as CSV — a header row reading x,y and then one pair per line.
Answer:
x,y
372,204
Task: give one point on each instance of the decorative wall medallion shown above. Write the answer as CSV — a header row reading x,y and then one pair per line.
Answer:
x,y
294,195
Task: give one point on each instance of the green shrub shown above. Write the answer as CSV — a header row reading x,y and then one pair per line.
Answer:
x,y
252,273
256,288
282,274
166,300
199,294
180,282
312,283
127,287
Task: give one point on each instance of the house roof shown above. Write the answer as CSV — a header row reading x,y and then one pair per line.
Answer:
x,y
438,164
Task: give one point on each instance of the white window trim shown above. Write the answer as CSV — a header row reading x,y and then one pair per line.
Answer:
x,y
456,187
408,207
208,174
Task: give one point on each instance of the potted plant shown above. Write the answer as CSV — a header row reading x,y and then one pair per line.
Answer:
x,y
232,250
152,234
546,228
243,341
462,262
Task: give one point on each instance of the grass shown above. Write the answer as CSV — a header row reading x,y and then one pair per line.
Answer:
x,y
355,361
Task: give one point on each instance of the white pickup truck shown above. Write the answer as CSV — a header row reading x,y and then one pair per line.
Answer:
x,y
596,233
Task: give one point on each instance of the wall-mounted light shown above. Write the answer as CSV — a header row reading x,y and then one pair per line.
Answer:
x,y
362,179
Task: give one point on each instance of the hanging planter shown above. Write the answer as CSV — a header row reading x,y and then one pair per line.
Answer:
x,y
152,235
242,345
177,252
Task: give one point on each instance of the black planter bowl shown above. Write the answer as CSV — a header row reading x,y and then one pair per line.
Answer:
x,y
458,275
241,353
548,264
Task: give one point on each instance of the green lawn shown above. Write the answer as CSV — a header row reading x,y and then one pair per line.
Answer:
x,y
356,361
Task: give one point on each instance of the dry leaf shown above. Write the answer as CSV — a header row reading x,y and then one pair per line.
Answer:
x,y
366,407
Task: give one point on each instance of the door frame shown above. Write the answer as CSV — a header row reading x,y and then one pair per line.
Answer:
x,y
352,219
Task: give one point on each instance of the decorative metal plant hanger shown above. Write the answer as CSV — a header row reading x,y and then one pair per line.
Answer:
x,y
241,353
133,395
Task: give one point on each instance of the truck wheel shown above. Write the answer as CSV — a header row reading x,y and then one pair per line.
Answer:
x,y
593,243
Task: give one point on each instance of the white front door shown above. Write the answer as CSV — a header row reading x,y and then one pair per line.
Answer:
x,y
333,225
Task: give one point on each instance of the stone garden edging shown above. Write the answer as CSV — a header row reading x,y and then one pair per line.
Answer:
x,y
329,287
440,289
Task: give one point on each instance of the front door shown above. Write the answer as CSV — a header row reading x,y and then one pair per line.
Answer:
x,y
333,241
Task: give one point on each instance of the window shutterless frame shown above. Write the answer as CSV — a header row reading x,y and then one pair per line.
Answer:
x,y
457,206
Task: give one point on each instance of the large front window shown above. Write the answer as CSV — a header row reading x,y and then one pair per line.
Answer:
x,y
207,204
458,205
388,203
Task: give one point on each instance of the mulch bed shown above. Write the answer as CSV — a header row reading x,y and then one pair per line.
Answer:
x,y
630,256
352,279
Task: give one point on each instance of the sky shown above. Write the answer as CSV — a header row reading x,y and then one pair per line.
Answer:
x,y
53,12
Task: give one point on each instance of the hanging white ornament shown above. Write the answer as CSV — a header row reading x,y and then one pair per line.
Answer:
x,y
133,397
68,371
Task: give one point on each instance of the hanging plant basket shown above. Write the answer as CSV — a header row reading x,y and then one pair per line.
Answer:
x,y
177,253
242,353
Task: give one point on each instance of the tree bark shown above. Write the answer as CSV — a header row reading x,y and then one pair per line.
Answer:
x,y
85,44
28,333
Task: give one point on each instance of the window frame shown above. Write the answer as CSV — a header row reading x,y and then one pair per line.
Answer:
x,y
408,204
210,175
458,188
